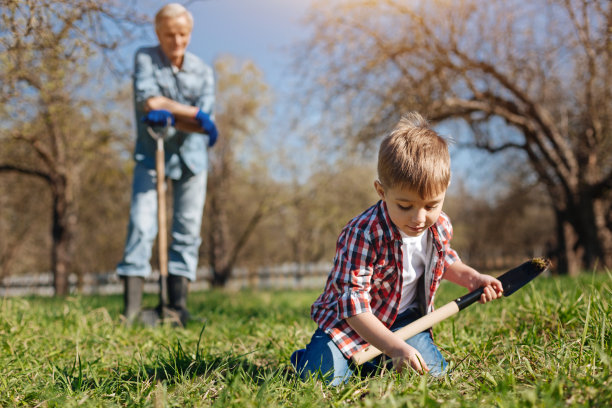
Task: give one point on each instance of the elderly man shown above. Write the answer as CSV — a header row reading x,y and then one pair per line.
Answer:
x,y
170,85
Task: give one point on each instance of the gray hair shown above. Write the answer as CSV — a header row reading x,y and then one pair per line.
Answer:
x,y
172,10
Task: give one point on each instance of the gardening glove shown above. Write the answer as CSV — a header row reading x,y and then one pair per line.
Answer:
x,y
208,126
158,118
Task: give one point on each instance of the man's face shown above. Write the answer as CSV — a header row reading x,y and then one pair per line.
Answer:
x,y
174,35
409,212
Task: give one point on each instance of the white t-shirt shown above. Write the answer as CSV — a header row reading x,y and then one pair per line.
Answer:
x,y
413,250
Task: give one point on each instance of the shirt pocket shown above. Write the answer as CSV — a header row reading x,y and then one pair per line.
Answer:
x,y
191,88
190,96
384,278
165,81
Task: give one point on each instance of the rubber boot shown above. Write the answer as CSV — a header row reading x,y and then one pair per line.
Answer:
x,y
132,297
178,287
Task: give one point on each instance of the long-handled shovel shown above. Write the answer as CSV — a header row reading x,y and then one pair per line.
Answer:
x,y
151,317
511,281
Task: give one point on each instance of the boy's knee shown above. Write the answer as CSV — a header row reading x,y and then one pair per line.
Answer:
x,y
438,368
297,361
326,371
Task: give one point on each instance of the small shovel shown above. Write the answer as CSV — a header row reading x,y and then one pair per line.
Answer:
x,y
511,281
152,317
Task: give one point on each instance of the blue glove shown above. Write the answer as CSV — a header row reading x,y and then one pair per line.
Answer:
x,y
208,126
158,118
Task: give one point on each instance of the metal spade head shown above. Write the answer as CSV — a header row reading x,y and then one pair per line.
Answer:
x,y
163,134
518,277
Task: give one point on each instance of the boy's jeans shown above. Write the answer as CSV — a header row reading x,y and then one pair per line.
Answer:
x,y
188,202
323,356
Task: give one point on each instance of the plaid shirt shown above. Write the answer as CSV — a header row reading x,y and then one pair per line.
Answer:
x,y
367,277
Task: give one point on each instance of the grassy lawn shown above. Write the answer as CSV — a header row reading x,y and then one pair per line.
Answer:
x,y
549,344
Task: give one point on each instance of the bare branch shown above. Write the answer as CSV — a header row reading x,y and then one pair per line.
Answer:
x,y
9,168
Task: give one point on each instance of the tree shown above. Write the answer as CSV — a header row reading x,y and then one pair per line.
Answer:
x,y
49,132
534,77
335,194
502,228
20,242
249,197
240,192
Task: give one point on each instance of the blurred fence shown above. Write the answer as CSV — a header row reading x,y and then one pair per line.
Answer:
x,y
293,275
290,275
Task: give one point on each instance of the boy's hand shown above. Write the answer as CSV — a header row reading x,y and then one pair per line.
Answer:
x,y
470,278
374,332
492,287
408,356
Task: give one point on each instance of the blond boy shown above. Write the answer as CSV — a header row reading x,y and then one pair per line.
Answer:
x,y
389,263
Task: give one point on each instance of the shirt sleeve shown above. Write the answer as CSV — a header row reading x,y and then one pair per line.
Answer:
x,y
353,269
450,255
206,101
145,84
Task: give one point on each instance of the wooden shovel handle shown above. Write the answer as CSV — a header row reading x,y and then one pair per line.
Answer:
x,y
410,330
162,237
511,281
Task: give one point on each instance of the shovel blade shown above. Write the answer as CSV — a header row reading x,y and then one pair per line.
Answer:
x,y
518,277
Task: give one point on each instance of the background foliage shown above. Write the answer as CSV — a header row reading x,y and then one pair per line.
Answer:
x,y
66,134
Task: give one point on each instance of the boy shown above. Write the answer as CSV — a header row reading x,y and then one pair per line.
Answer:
x,y
389,263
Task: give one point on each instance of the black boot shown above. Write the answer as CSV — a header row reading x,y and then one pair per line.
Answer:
x,y
132,297
178,287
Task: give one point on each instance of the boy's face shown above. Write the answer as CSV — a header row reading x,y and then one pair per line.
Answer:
x,y
408,211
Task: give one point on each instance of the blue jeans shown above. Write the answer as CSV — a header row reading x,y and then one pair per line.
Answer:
x,y
188,194
323,357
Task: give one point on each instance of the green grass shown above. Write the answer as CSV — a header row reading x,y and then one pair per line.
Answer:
x,y
547,345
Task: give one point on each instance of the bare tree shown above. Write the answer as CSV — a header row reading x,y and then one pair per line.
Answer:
x,y
502,228
19,244
240,191
535,77
335,194
48,51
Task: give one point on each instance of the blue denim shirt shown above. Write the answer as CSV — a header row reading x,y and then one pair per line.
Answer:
x,y
192,85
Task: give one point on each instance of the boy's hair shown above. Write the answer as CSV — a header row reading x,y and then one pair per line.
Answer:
x,y
414,156
172,10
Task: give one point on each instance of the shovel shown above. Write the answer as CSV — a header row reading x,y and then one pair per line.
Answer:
x,y
152,317
511,281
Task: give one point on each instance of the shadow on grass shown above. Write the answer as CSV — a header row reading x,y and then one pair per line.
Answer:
x,y
173,367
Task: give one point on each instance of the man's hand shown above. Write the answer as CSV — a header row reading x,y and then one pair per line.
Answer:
x,y
408,356
158,118
208,126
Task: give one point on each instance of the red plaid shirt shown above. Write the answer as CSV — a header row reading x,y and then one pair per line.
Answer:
x,y
367,275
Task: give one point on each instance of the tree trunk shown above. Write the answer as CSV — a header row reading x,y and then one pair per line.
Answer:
x,y
588,235
220,277
568,261
603,225
218,239
63,225
584,241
